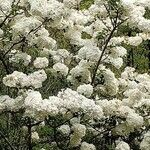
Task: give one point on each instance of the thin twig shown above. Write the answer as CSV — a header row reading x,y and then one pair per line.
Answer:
x,y
103,52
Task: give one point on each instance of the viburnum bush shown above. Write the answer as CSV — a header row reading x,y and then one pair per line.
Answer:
x,y
64,83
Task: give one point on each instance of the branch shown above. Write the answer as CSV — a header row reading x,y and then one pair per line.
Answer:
x,y
115,26
103,52
29,140
7,16
24,38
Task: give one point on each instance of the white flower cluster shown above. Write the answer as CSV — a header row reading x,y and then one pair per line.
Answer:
x,y
80,73
85,89
91,53
122,146
41,62
24,25
19,79
35,136
71,3
61,56
87,146
111,83
5,8
68,100
44,8
116,56
79,132
20,56
136,10
64,129
11,104
144,145
59,67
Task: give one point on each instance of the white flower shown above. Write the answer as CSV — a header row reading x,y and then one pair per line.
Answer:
x,y
6,102
61,56
124,111
110,107
46,42
55,9
1,32
117,62
39,108
91,53
75,120
145,144
85,89
79,74
75,141
25,24
87,146
20,56
135,120
79,130
116,40
122,146
16,79
35,136
5,6
33,99
38,7
36,78
111,83
63,69
118,51
75,102
134,41
65,129
71,3
41,62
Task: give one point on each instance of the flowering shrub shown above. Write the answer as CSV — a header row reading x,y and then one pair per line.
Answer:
x,y
64,82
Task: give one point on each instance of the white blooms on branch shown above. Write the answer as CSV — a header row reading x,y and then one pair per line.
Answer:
x,y
68,100
40,39
25,24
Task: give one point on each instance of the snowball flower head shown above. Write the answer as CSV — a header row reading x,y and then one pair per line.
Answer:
x,y
35,136
71,3
145,144
134,120
1,32
122,146
36,78
64,129
87,146
85,89
16,79
134,41
41,62
79,130
62,68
